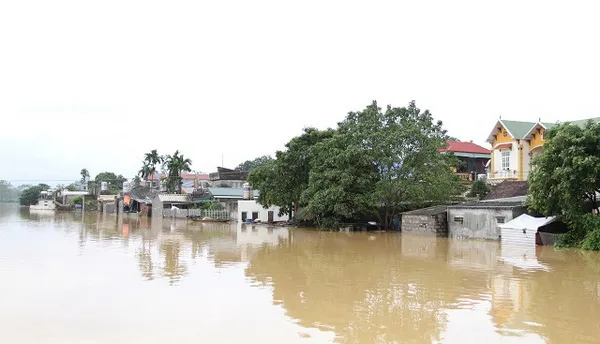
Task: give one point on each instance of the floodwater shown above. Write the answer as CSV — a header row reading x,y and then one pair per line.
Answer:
x,y
66,278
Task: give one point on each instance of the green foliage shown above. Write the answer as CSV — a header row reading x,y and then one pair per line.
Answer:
x,y
565,181
479,189
584,233
31,194
376,163
137,180
77,200
212,205
151,161
85,176
175,165
282,181
566,176
8,193
115,182
249,165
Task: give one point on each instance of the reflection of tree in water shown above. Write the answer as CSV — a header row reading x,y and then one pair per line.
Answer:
x,y
144,256
173,268
365,290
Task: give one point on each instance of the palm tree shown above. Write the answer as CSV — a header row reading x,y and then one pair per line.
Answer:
x,y
85,175
150,162
175,165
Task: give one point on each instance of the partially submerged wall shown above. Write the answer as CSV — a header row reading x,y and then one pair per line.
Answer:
x,y
479,223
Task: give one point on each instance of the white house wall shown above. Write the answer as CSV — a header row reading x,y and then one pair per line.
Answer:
x,y
263,214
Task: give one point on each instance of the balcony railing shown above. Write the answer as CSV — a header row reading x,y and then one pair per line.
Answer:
x,y
519,175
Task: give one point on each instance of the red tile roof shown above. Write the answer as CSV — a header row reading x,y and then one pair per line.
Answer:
x,y
464,147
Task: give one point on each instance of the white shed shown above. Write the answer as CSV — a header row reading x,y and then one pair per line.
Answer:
x,y
519,239
523,229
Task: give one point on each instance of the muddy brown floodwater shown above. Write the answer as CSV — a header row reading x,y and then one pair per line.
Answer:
x,y
68,278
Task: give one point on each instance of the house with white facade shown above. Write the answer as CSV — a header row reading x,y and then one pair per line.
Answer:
x,y
252,210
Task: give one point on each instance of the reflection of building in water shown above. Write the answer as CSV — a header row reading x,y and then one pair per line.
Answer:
x,y
510,297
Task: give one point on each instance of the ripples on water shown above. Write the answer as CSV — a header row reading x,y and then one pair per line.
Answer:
x,y
68,278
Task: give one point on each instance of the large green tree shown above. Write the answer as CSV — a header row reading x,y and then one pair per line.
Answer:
x,y
114,181
176,164
565,178
31,194
376,164
249,165
282,181
402,145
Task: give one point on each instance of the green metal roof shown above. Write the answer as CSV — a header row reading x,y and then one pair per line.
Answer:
x,y
518,129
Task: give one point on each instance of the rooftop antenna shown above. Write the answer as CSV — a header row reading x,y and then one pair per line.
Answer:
x,y
500,117
222,160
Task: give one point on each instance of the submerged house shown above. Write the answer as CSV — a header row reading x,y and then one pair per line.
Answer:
x,y
473,158
482,219
167,201
432,220
252,210
229,197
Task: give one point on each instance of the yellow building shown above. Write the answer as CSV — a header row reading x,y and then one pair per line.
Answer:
x,y
515,144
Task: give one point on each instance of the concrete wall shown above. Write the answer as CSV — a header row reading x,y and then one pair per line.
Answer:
x,y
479,223
263,214
425,224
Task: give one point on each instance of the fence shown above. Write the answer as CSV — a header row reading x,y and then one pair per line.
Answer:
x,y
183,213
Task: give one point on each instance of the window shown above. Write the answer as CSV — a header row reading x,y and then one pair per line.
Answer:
x,y
459,219
500,219
505,159
254,215
244,216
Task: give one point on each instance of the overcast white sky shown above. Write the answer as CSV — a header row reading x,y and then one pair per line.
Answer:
x,y
98,84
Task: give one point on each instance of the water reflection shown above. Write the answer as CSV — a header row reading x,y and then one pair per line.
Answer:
x,y
358,287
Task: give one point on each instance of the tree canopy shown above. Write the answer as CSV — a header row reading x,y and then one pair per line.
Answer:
x,y
115,182
565,179
249,165
31,194
175,165
375,164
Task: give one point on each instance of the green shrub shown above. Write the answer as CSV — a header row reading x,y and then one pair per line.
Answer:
x,y
584,233
77,200
479,189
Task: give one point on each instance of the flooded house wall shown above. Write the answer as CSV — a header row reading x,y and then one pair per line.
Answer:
x,y
250,207
479,223
425,224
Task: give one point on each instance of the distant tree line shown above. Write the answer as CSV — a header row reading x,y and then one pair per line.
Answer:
x,y
8,193
375,164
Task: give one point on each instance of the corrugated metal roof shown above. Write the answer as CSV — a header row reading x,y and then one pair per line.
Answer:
x,y
174,198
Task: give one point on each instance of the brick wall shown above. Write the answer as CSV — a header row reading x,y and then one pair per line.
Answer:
x,y
431,224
